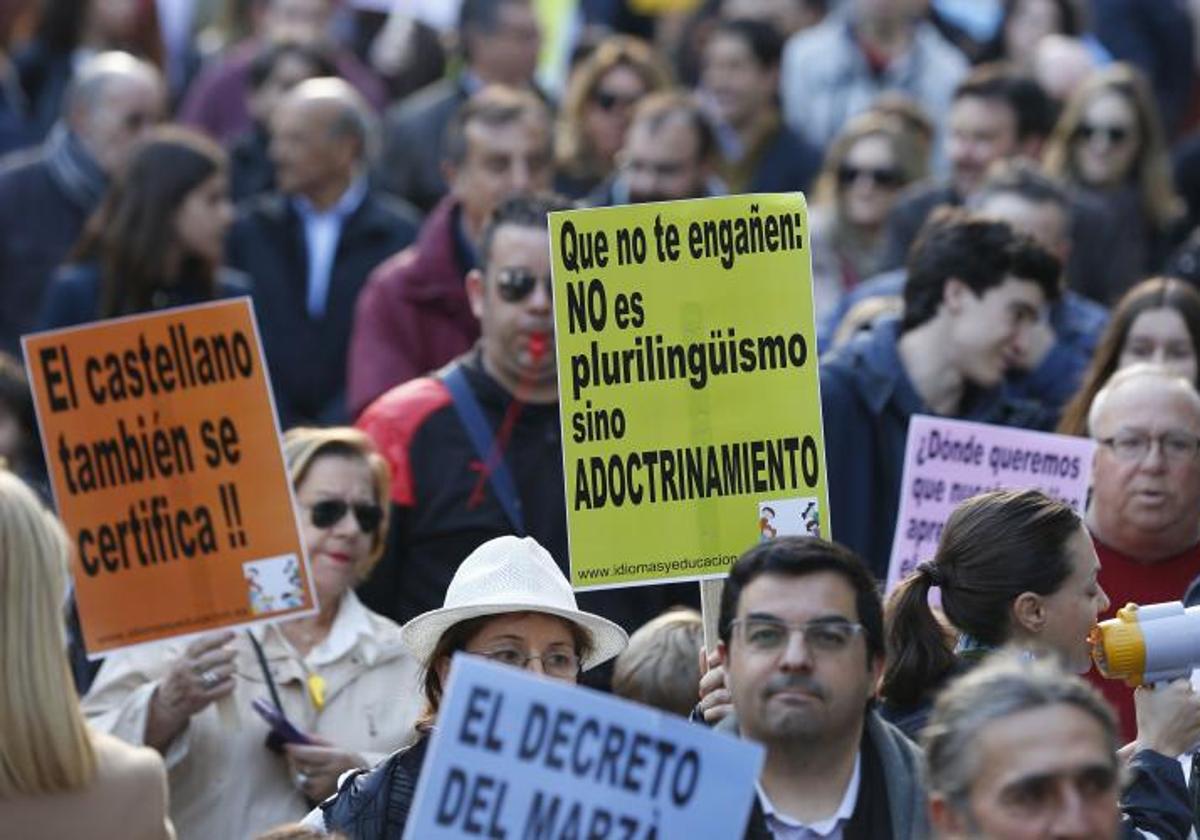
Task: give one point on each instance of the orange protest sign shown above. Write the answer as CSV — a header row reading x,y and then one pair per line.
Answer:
x,y
164,456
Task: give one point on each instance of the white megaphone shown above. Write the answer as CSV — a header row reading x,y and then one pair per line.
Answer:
x,y
1148,644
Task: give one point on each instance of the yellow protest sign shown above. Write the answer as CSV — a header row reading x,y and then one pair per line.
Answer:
x,y
687,368
167,472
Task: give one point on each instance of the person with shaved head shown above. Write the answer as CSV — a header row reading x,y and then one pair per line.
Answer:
x,y
310,244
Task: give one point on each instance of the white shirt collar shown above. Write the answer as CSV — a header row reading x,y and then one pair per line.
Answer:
x,y
784,826
343,207
351,628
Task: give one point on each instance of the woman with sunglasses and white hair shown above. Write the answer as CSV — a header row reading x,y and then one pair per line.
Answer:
x,y
58,776
342,677
508,602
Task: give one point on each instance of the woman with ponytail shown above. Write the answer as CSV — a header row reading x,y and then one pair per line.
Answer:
x,y
1016,568
1013,567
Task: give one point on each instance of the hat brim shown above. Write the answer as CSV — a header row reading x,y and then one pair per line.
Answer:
x,y
422,634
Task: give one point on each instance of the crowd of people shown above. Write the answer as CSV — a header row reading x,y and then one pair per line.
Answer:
x,y
1004,226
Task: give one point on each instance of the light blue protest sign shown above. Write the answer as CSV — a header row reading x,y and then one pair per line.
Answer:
x,y
524,757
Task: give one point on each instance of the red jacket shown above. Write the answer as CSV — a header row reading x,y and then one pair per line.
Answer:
x,y
413,316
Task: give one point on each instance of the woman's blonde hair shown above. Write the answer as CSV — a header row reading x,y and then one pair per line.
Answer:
x,y
661,665
909,161
1152,166
302,446
572,148
45,745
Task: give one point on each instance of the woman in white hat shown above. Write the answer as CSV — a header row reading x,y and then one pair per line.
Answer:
x,y
508,602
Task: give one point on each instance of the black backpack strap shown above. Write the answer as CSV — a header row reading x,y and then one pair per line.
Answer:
x,y
483,441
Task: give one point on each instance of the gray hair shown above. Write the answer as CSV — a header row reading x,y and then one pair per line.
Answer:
x,y
88,86
354,118
1139,371
1008,683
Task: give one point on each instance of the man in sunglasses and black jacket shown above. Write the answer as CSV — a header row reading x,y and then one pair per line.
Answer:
x,y
475,448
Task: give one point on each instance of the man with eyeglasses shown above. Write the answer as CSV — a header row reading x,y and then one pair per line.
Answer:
x,y
475,448
1144,515
801,627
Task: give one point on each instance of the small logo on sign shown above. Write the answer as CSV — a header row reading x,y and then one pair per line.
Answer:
x,y
798,517
274,584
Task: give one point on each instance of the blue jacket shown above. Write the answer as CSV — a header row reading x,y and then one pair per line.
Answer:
x,y
866,402
1077,321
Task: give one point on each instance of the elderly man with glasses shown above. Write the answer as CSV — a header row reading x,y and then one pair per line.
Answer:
x,y
801,627
1144,514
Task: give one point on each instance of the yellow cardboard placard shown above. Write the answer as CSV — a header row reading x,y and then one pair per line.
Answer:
x,y
164,456
689,397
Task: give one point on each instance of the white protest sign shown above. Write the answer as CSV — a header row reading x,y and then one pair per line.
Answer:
x,y
516,755
948,461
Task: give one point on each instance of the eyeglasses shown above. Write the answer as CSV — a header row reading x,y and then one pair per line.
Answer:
x,y
329,512
515,284
1114,134
1132,448
770,635
556,663
608,101
880,175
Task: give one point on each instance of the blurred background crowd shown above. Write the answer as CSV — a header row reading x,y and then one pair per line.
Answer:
x,y
166,152
374,175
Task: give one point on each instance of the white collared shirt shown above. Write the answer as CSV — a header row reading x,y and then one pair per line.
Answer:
x,y
783,827
351,628
322,232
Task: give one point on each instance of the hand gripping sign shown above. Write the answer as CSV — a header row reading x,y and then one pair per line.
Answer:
x,y
518,755
163,449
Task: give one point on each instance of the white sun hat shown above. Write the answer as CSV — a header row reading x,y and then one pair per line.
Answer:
x,y
508,575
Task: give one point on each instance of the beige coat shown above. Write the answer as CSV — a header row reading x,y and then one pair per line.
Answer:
x,y
126,801
224,783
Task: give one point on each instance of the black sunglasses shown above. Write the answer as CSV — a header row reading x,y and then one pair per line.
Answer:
x,y
608,101
327,513
883,176
515,284
1115,134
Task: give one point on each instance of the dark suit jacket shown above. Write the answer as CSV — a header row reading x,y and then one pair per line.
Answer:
x,y
39,222
789,162
410,166
307,356
73,296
